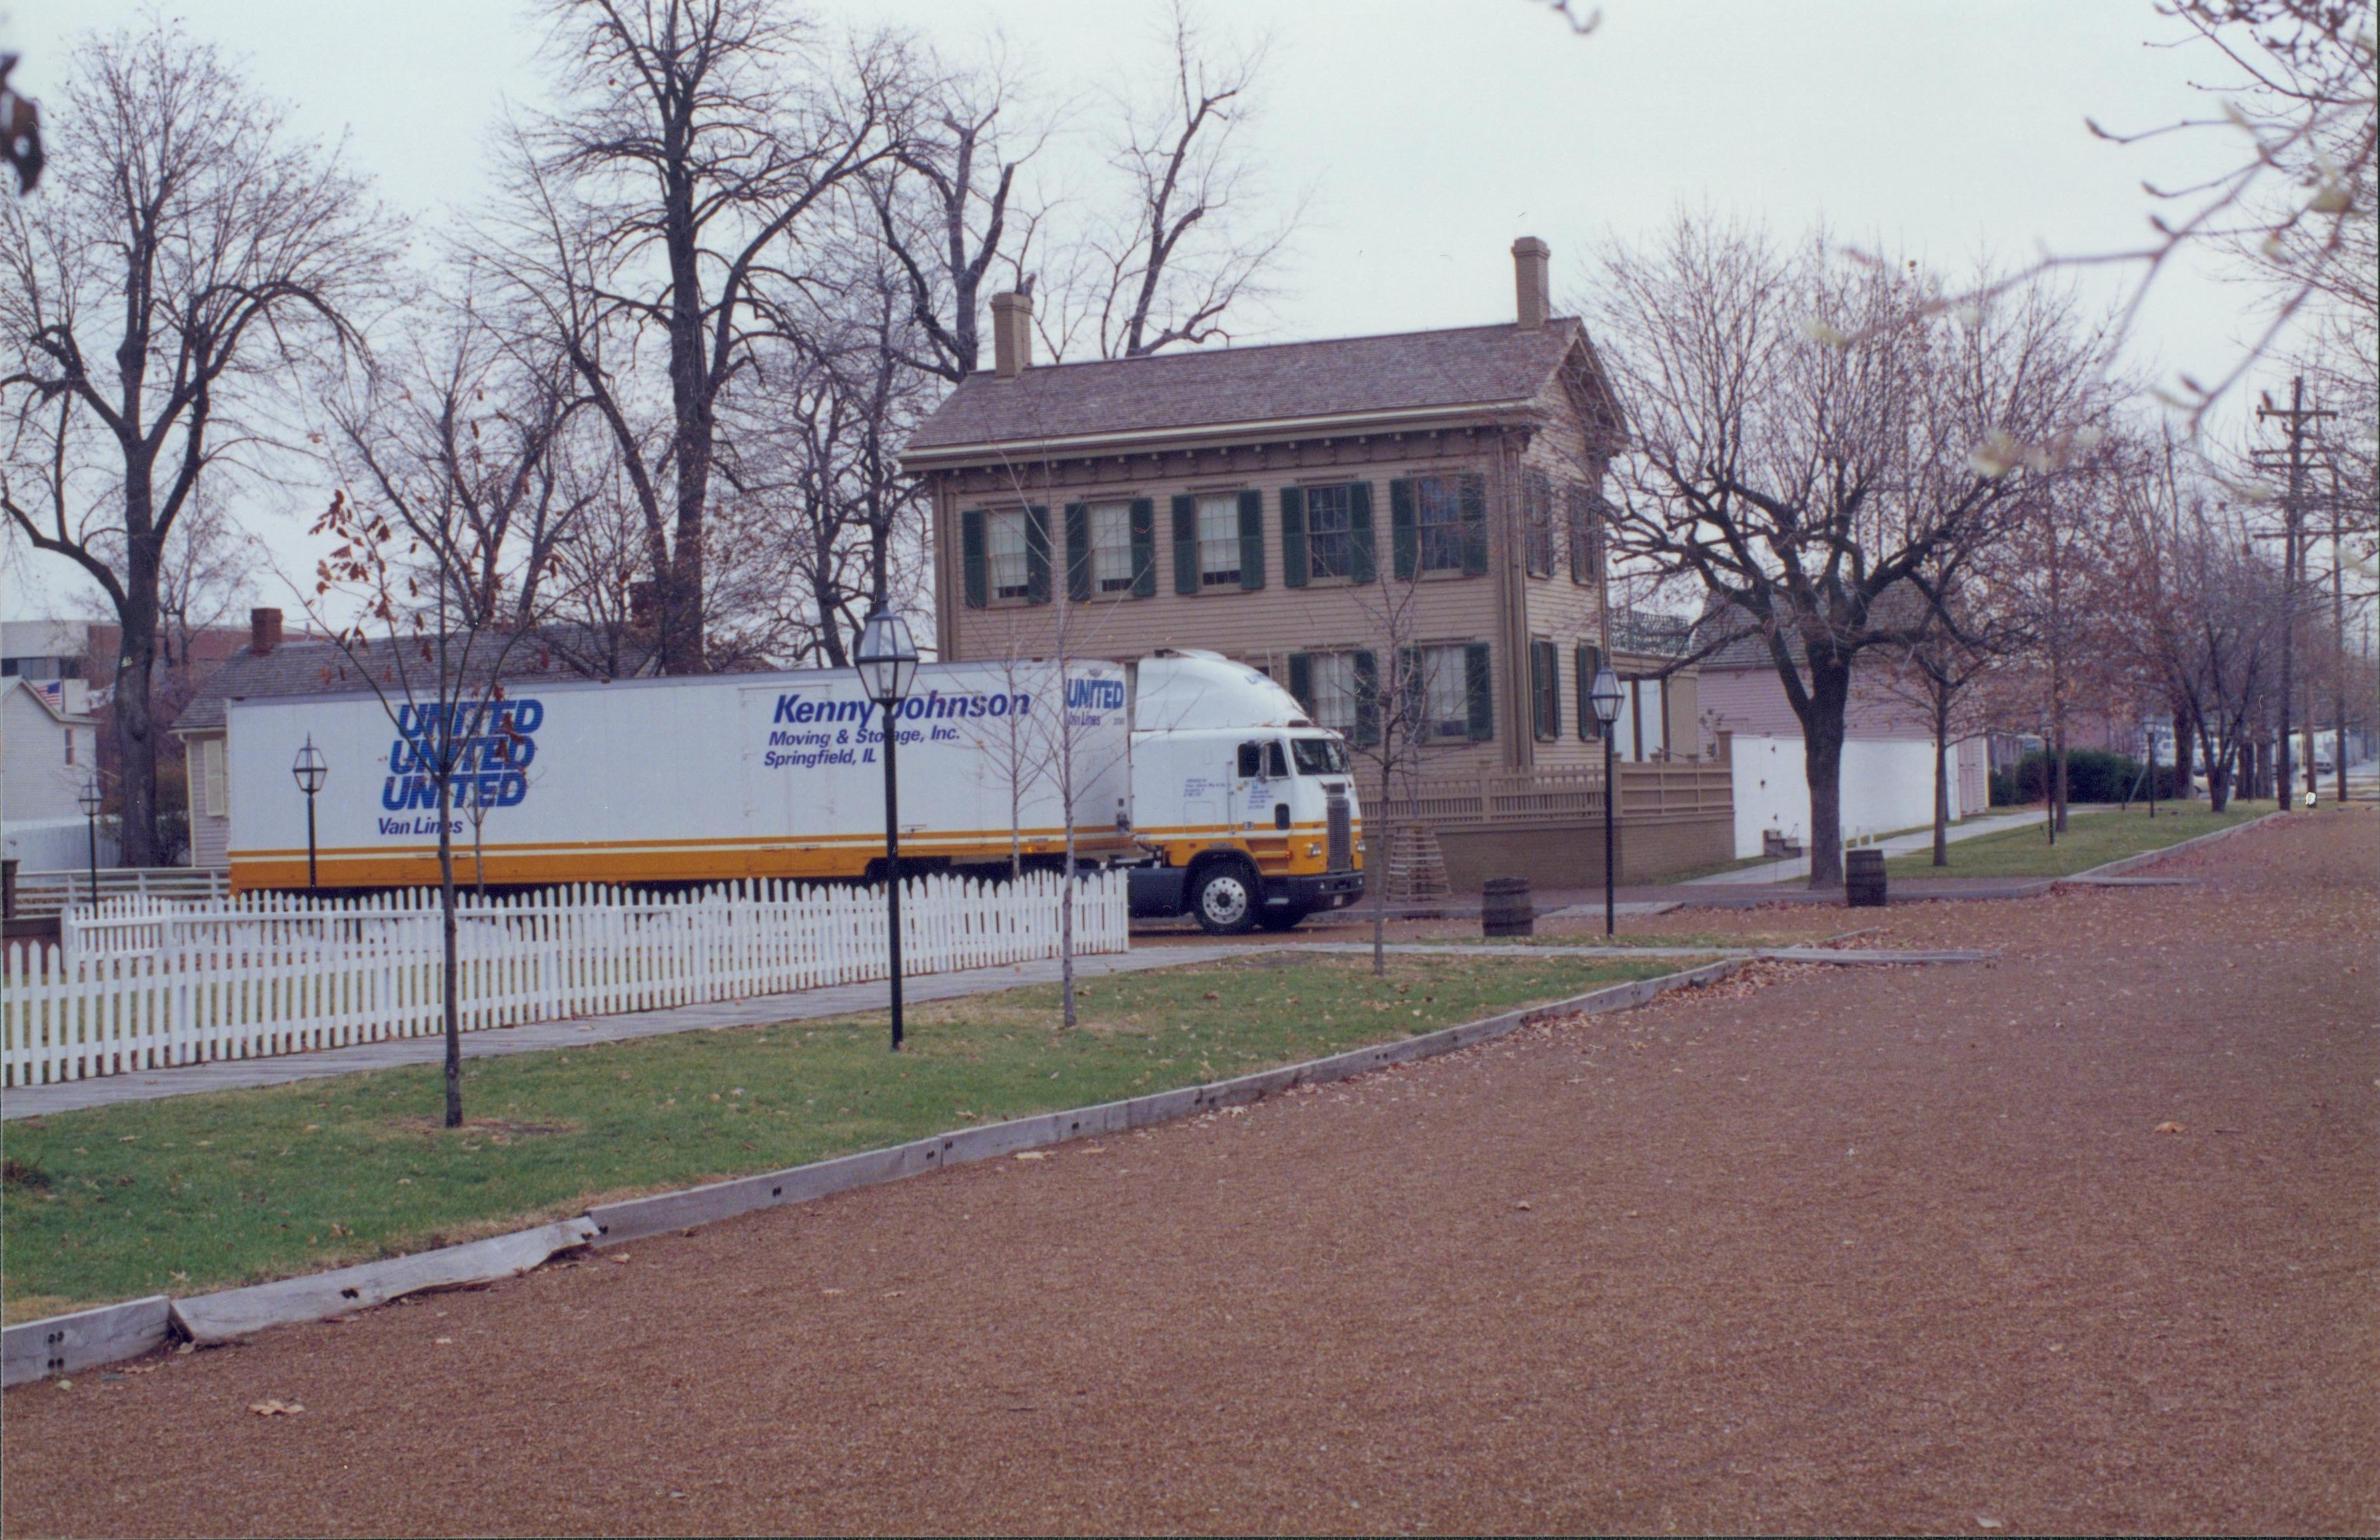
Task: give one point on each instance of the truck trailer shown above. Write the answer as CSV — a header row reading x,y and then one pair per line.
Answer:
x,y
1204,778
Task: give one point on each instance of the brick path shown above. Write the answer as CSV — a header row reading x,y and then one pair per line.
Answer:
x,y
1822,1250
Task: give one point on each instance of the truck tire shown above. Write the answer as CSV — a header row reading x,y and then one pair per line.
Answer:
x,y
1280,919
1226,898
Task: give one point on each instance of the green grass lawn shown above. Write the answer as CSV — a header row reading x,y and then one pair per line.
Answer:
x,y
197,1192
2093,838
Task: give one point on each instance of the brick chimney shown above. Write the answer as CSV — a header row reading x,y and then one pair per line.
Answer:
x,y
1531,283
1012,334
263,631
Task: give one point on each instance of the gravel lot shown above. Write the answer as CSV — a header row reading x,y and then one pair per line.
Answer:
x,y
1818,1250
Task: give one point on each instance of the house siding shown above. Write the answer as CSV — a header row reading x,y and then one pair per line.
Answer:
x,y
1503,607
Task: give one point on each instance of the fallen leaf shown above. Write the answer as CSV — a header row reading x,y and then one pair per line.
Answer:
x,y
830,1291
621,1260
1988,1524
1211,995
443,1341
1030,1154
2170,1126
275,1408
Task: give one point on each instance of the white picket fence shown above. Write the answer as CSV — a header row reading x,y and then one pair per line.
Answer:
x,y
144,984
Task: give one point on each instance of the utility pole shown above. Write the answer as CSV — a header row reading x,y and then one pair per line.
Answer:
x,y
2297,415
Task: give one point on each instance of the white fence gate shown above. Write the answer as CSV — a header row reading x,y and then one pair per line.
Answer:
x,y
143,984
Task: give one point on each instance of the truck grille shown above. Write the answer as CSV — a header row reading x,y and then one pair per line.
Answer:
x,y
1342,837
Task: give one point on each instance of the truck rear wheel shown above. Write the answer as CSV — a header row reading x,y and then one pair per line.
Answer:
x,y
1224,897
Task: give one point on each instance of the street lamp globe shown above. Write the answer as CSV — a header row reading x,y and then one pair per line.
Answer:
x,y
91,797
308,770
886,657
1604,696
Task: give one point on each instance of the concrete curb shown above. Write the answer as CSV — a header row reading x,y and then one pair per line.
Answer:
x,y
61,1344
2150,857
232,1314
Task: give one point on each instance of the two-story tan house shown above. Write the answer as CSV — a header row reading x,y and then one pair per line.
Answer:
x,y
1325,510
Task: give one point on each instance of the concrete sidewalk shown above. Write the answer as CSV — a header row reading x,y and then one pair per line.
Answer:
x,y
227,1074
1797,868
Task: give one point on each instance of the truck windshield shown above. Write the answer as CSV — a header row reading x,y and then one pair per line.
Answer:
x,y
1319,756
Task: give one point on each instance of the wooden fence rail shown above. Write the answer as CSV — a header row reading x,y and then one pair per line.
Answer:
x,y
144,984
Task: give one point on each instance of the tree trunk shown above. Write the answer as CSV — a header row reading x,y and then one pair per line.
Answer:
x,y
1941,776
135,719
2064,786
446,921
2184,730
1822,763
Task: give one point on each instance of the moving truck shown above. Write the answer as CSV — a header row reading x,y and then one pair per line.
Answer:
x,y
1203,777
1245,809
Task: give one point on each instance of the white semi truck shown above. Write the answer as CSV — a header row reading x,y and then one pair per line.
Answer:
x,y
1225,801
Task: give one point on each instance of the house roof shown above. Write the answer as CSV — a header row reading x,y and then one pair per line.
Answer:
x,y
51,696
325,668
1370,380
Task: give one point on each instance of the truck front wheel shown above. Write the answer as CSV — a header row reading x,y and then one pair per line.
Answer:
x,y
1223,896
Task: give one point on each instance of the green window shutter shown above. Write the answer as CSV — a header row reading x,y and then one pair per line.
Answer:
x,y
1251,540
1301,679
1144,548
1478,691
1292,537
1401,532
1545,689
1574,506
1037,555
1474,525
974,559
1589,661
1185,543
1078,551
1359,531
1367,699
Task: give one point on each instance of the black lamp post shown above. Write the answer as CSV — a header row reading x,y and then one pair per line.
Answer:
x,y
91,799
887,659
309,772
1604,697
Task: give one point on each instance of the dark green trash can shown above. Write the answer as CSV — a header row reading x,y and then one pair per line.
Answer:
x,y
1863,878
1505,909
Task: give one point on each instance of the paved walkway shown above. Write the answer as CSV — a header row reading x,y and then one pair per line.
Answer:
x,y
227,1074
1798,867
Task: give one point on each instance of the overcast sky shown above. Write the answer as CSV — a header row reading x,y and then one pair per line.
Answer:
x,y
1427,134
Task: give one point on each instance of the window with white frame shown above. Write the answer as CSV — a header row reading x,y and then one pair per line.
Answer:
x,y
1110,547
1010,568
1438,516
1331,531
211,777
1335,692
1219,540
1445,692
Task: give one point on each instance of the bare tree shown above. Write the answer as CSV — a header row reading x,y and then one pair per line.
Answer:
x,y
947,206
1182,244
191,257
1809,435
655,234
440,574
1972,632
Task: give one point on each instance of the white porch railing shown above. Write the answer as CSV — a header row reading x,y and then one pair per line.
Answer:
x,y
146,984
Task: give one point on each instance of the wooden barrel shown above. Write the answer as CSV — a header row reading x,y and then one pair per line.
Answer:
x,y
1863,878
1504,908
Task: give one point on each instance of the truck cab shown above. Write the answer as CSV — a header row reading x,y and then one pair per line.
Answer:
x,y
1245,811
